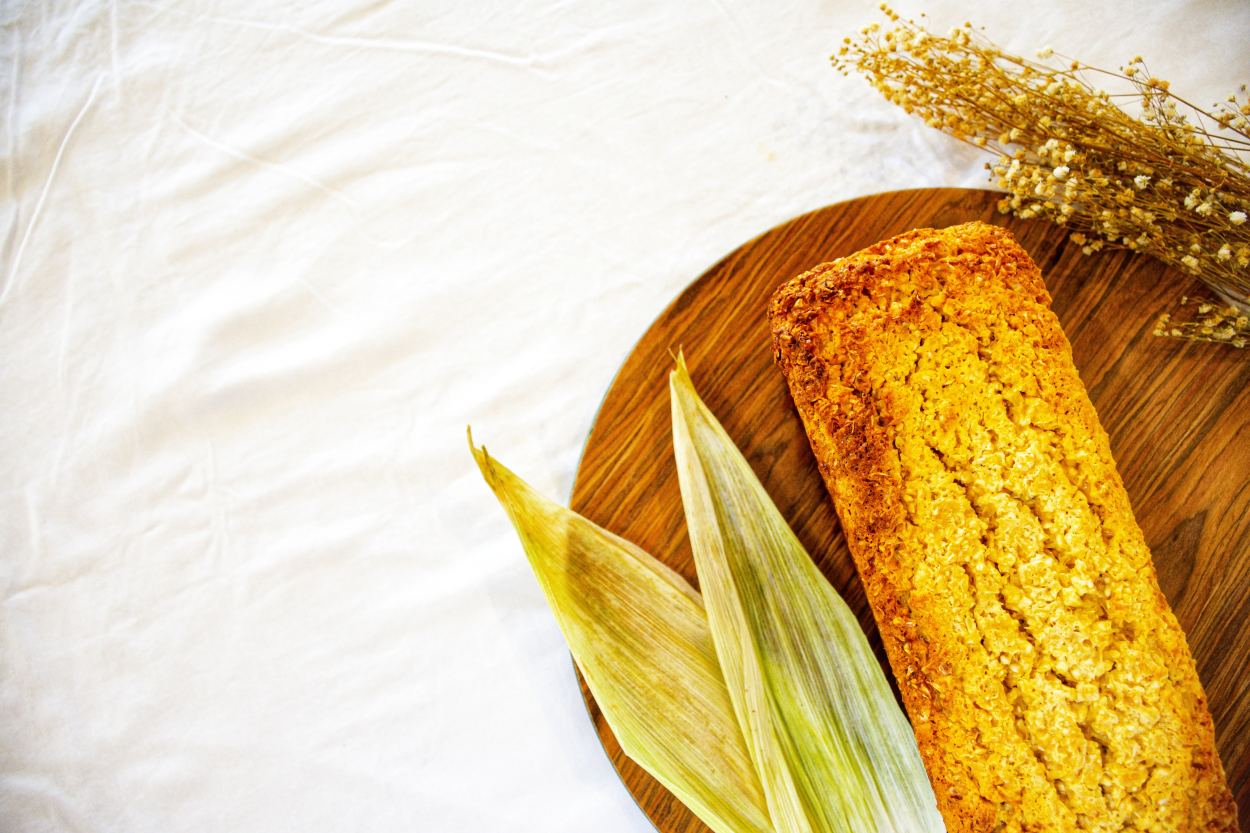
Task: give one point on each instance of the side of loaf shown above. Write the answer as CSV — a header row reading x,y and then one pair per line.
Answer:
x,y
1047,680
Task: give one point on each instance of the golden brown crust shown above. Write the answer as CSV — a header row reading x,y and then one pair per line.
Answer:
x,y
1049,684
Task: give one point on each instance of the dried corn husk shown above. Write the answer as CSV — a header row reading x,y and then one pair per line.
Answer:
x,y
832,747
640,637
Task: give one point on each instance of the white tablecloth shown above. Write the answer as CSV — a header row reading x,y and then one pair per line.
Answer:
x,y
262,264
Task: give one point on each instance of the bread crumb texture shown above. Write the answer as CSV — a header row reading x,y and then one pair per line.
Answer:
x,y
1048,682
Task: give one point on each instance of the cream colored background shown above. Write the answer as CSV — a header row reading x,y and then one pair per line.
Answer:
x,y
263,262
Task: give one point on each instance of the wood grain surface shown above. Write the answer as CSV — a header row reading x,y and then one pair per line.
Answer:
x,y
1178,414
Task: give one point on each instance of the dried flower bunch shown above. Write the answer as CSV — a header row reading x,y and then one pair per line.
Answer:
x,y
1173,182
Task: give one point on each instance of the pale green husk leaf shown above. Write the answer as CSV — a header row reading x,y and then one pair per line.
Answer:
x,y
640,636
832,747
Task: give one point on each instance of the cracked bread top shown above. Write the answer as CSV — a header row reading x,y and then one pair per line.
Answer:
x,y
1047,680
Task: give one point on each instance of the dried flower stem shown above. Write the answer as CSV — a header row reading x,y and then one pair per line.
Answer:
x,y
1205,321
1173,183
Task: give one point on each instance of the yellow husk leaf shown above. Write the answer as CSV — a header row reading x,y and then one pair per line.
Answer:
x,y
832,747
640,636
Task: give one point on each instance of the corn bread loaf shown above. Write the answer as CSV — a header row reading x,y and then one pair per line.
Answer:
x,y
1047,680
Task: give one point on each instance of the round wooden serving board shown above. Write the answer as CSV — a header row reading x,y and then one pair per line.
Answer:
x,y
1178,414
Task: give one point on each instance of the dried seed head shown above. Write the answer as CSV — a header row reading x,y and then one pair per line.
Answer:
x,y
1172,182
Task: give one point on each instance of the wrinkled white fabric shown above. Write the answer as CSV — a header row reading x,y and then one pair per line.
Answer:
x,y
263,263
